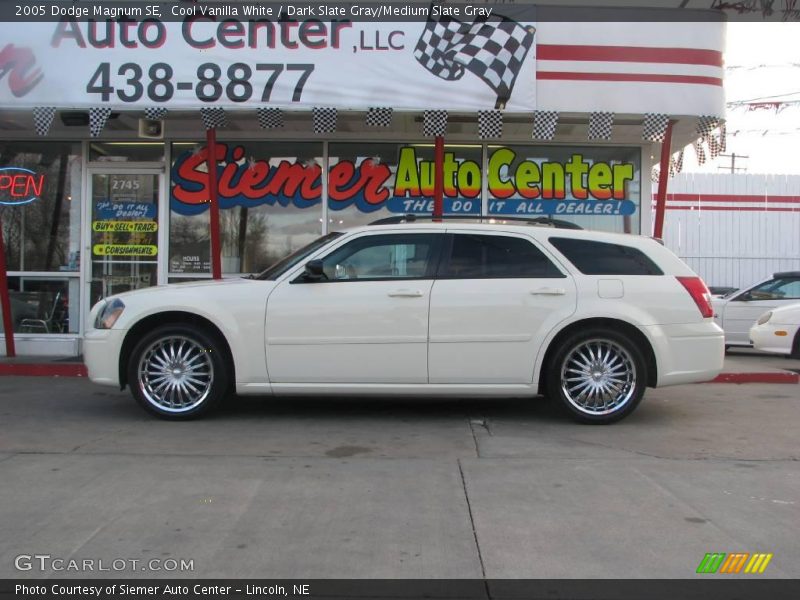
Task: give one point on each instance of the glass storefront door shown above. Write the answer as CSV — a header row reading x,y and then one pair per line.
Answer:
x,y
124,229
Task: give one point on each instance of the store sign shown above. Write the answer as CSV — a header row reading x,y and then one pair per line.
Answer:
x,y
19,185
253,59
577,186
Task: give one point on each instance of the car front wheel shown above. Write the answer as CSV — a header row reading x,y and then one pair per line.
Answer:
x,y
597,376
177,372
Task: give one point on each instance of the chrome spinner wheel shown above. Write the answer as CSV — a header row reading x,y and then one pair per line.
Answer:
x,y
175,374
598,377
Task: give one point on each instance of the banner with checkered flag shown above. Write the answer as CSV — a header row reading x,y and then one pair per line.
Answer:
x,y
654,127
544,124
97,120
492,48
43,119
155,113
379,116
699,151
325,120
434,122
213,117
601,125
654,174
490,124
723,137
714,149
270,118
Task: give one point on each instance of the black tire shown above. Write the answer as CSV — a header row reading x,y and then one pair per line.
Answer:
x,y
619,369
796,346
188,361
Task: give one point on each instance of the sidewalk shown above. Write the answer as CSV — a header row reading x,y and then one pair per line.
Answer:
x,y
741,366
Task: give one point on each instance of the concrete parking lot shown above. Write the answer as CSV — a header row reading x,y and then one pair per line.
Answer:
x,y
400,488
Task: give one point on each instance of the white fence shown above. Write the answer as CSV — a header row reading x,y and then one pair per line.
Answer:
x,y
734,229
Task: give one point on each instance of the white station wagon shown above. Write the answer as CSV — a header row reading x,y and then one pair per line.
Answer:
x,y
452,308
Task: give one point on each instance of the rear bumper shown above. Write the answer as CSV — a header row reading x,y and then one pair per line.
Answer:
x,y
101,350
688,353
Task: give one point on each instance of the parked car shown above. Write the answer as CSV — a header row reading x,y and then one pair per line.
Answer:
x,y
720,291
737,313
459,309
778,330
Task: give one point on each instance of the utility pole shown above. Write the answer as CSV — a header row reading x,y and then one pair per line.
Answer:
x,y
733,156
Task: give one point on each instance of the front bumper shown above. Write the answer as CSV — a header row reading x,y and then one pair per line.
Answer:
x,y
766,337
101,352
687,353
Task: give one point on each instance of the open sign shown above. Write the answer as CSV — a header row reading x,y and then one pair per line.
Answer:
x,y
19,185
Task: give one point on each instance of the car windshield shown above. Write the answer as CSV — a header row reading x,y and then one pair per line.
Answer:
x,y
283,265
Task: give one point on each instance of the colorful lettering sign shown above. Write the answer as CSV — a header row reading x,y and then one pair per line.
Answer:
x,y
576,186
19,185
125,226
144,250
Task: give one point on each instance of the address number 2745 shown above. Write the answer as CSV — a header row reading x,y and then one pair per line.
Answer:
x,y
158,83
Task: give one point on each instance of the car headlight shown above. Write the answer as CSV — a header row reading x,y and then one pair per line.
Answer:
x,y
764,318
109,314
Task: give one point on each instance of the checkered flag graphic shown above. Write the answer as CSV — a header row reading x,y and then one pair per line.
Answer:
x,y
672,166
544,124
654,175
714,149
490,124
325,120
97,120
699,151
379,116
706,124
43,118
723,137
493,48
156,113
600,125
270,118
654,128
434,122
679,162
213,118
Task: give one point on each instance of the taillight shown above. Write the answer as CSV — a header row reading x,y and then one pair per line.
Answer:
x,y
699,293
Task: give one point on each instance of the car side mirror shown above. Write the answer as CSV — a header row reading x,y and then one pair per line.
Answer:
x,y
314,271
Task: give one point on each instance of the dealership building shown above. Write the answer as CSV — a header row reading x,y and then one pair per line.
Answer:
x,y
320,125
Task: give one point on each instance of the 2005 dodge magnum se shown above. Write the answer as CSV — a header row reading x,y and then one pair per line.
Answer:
x,y
589,319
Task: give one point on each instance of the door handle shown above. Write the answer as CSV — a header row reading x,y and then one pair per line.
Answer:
x,y
406,294
548,291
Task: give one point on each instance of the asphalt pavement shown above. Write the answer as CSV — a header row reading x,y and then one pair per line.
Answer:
x,y
341,488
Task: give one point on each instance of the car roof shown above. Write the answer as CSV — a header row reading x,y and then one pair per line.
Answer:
x,y
786,274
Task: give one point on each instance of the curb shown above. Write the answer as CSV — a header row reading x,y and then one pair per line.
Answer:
x,y
43,369
770,377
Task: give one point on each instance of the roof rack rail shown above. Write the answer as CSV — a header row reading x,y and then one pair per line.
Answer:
x,y
539,221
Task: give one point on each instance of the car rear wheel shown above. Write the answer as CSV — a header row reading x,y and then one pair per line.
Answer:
x,y
177,372
597,376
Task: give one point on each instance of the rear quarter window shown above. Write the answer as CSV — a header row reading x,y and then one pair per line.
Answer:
x,y
603,258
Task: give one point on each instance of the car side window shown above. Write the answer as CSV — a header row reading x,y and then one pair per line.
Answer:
x,y
776,289
603,258
391,256
496,257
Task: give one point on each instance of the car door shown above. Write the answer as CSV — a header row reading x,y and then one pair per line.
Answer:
x,y
365,321
742,311
496,297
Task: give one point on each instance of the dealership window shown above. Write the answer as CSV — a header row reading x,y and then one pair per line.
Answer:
x,y
371,181
594,187
126,152
40,206
270,201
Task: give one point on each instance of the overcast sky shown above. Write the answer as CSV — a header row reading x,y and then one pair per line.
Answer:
x,y
762,64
